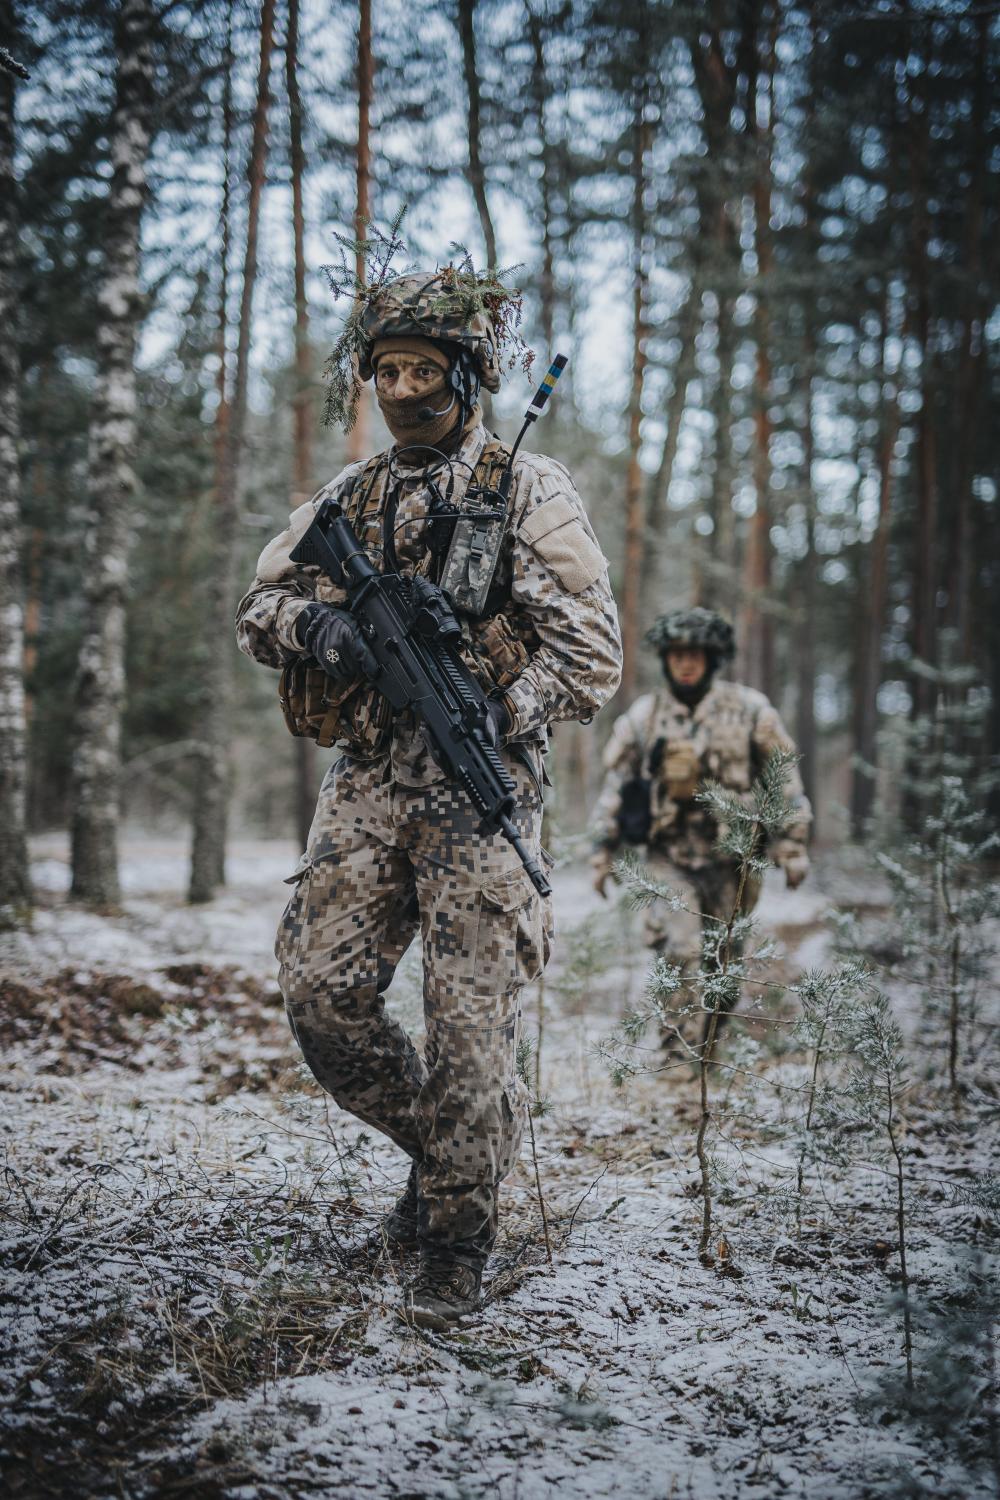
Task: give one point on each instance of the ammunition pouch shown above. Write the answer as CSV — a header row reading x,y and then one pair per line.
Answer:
x,y
494,652
316,707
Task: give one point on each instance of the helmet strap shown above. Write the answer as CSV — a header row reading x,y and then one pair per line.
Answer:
x,y
463,379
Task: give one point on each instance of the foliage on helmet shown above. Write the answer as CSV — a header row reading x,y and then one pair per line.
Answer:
x,y
456,304
696,627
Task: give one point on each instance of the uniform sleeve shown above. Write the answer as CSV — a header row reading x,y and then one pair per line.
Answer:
x,y
267,613
769,734
560,580
622,760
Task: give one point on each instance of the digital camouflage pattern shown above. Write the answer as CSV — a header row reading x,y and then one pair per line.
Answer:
x,y
394,847
430,306
383,862
555,611
726,737
693,627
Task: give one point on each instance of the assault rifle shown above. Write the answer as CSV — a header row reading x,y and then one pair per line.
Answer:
x,y
413,634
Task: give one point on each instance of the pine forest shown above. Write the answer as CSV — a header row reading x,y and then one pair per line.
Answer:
x,y
747,1246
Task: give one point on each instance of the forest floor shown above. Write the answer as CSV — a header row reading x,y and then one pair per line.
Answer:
x,y
182,1316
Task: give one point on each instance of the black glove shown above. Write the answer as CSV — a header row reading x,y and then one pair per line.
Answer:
x,y
334,638
498,720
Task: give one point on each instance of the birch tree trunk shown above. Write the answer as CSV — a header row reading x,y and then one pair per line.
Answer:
x,y
359,437
15,884
208,852
302,439
877,599
100,685
635,514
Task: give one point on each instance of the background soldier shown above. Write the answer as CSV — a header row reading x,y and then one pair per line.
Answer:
x,y
393,845
695,727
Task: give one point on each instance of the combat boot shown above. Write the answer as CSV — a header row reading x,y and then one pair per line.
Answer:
x,y
400,1224
398,1229
444,1290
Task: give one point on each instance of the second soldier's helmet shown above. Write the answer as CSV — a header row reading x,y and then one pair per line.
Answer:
x,y
694,627
430,305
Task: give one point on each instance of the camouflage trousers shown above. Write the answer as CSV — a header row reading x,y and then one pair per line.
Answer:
x,y
383,861
708,892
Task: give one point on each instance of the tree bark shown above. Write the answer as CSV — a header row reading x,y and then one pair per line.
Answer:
x,y
359,437
757,636
302,437
100,686
635,515
475,171
925,580
970,382
688,323
208,852
877,596
540,93
15,882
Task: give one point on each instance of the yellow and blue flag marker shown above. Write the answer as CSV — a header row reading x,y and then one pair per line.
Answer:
x,y
546,387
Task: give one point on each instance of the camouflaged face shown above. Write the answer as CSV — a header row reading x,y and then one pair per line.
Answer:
x,y
425,306
727,737
384,862
693,627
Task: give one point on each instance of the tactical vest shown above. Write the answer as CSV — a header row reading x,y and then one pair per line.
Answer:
x,y
356,714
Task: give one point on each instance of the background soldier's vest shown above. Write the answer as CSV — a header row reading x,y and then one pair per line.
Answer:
x,y
356,714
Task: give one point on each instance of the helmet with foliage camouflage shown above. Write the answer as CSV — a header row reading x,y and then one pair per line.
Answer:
x,y
431,305
693,627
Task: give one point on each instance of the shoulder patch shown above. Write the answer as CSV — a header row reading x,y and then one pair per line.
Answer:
x,y
555,532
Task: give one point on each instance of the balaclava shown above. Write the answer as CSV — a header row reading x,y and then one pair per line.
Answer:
x,y
403,417
692,696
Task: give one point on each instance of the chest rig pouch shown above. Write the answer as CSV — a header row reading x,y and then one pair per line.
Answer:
x,y
356,714
477,536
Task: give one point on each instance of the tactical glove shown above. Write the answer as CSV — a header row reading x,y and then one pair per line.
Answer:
x,y
601,862
498,721
334,638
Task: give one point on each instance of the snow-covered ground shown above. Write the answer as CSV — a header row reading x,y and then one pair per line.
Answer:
x,y
184,1316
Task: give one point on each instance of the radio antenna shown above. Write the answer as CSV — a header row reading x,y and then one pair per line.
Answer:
x,y
535,408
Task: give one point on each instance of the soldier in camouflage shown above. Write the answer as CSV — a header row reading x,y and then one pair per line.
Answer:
x,y
695,727
394,848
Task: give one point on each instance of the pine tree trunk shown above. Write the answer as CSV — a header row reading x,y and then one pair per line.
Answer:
x,y
869,674
547,281
208,852
635,515
302,440
971,374
724,575
688,324
475,171
359,437
100,686
15,883
757,636
925,582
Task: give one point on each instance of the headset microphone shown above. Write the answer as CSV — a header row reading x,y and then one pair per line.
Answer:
x,y
427,413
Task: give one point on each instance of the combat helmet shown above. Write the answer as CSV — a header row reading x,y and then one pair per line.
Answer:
x,y
696,627
431,305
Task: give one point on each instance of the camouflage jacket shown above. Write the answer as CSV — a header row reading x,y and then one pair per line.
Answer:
x,y
726,737
555,598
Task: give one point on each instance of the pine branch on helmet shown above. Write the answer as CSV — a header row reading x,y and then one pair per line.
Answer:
x,y
470,313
